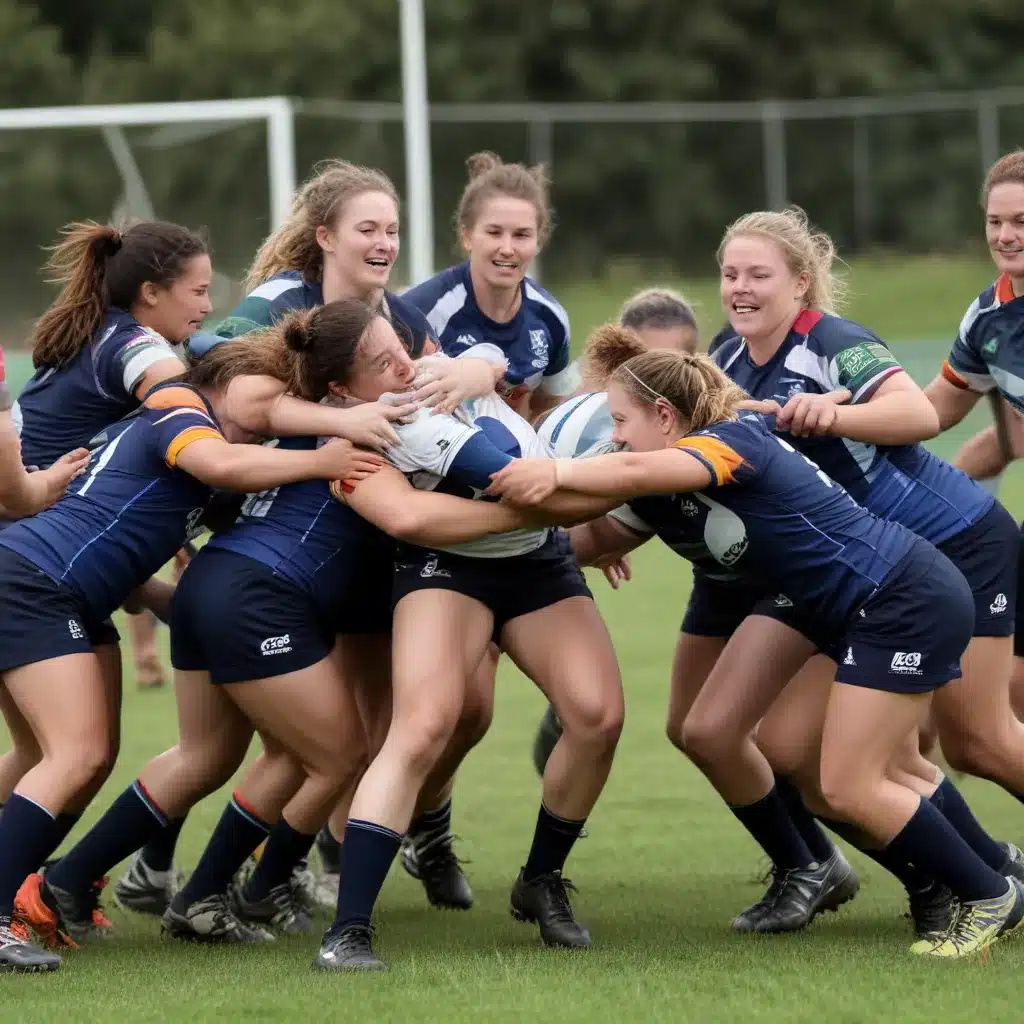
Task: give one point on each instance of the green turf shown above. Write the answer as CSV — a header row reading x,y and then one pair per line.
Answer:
x,y
664,870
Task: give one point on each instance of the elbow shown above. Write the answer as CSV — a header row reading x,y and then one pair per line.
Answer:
x,y
928,422
406,524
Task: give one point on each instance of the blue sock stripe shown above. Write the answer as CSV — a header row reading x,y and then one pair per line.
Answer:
x,y
145,800
371,826
251,818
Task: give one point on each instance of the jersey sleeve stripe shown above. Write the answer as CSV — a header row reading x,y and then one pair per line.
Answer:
x,y
979,382
185,438
720,459
139,364
170,398
868,388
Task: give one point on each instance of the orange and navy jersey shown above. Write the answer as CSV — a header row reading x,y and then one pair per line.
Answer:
x,y
131,510
771,516
306,535
989,348
903,483
62,409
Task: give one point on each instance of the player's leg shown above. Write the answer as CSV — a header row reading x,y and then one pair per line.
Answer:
x,y
24,753
880,694
427,850
566,650
439,636
213,739
63,700
312,715
149,673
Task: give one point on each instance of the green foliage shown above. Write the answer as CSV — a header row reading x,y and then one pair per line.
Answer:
x,y
625,191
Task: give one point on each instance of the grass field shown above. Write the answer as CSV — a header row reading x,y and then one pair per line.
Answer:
x,y
664,869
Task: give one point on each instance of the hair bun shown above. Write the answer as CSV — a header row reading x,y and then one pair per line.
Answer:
x,y
298,333
480,163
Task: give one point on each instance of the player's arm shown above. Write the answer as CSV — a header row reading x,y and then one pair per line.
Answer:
x,y
606,537
898,412
249,468
23,493
426,518
951,399
620,475
261,405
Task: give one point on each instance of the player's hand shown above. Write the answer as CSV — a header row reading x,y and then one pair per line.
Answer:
x,y
341,460
766,407
525,481
441,384
369,425
810,415
616,569
50,484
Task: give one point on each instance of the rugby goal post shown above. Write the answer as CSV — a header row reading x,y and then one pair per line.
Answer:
x,y
207,115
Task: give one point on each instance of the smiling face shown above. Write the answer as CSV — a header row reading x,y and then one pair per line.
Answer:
x,y
642,426
360,247
177,310
503,241
382,365
761,293
1004,229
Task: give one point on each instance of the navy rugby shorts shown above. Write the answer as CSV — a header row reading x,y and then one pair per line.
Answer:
x,y
986,553
910,635
43,619
509,587
236,618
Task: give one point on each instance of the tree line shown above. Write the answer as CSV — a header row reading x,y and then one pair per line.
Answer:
x,y
624,192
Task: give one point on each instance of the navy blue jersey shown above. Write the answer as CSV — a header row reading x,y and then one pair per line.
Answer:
x,y
62,409
126,516
906,483
273,300
535,341
772,516
304,533
989,349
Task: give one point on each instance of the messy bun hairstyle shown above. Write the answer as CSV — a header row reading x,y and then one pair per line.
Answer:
x,y
489,176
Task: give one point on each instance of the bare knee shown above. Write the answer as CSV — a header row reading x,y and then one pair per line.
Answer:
x,y
596,721
83,764
419,740
708,739
476,717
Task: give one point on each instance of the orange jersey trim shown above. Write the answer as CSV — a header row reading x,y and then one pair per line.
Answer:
x,y
1004,289
185,438
953,377
169,398
723,460
339,488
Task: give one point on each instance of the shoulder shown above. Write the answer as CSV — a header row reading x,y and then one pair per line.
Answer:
x,y
545,305
175,395
987,302
403,310
440,297
726,336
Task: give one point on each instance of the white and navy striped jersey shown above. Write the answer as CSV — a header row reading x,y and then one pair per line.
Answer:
x,y
457,453
535,341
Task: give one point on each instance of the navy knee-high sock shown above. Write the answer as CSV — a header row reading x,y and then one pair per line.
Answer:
x,y
768,821
29,833
285,848
131,820
948,800
158,853
930,843
236,836
914,880
811,832
367,851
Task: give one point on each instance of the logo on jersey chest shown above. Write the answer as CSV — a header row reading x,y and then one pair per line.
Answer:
x,y
465,340
540,346
788,387
990,347
689,507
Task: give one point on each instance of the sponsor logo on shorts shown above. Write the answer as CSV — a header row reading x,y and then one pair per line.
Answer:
x,y
76,631
276,645
998,606
733,553
849,659
431,569
781,601
906,663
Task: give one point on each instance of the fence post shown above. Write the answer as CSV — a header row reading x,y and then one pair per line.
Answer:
x,y
863,214
540,145
988,132
773,134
